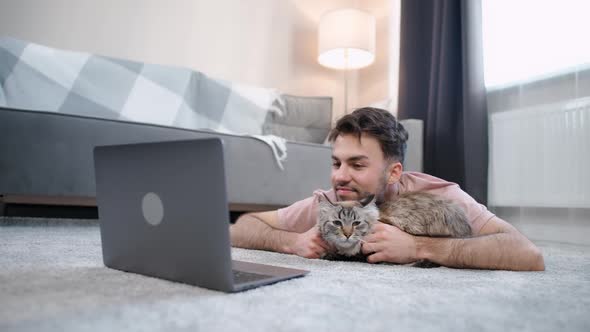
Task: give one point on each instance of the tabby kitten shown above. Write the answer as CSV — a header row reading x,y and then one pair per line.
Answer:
x,y
344,224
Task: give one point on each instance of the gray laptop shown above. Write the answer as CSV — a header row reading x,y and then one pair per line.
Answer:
x,y
163,213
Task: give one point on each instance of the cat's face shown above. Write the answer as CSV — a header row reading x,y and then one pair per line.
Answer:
x,y
344,224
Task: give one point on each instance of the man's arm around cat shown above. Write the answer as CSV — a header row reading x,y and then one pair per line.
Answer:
x,y
261,231
498,245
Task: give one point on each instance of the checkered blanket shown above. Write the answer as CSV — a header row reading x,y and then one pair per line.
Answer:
x,y
36,77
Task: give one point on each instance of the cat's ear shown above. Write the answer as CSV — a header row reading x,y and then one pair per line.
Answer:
x,y
367,200
325,199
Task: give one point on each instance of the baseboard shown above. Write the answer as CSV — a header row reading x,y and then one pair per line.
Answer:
x,y
83,207
567,225
39,206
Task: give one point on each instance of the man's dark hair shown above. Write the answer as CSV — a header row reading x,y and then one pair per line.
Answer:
x,y
377,123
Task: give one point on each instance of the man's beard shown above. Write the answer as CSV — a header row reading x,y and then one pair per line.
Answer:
x,y
379,194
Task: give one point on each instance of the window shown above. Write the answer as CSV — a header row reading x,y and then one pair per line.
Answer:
x,y
526,40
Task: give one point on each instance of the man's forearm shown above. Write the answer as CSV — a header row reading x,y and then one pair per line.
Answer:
x,y
253,233
504,251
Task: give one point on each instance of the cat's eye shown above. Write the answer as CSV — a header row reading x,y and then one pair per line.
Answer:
x,y
356,223
337,223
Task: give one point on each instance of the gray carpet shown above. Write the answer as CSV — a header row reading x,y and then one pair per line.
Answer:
x,y
52,279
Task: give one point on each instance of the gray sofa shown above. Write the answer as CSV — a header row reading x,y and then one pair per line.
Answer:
x,y
46,159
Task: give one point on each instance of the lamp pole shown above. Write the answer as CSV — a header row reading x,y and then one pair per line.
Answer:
x,y
346,65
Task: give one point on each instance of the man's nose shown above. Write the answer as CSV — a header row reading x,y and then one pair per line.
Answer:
x,y
341,174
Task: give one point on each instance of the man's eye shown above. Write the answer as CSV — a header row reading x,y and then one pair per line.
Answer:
x,y
357,166
335,164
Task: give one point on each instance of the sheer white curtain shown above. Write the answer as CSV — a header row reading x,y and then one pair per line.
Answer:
x,y
528,40
537,76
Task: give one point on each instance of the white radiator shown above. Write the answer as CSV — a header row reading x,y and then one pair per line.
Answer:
x,y
540,156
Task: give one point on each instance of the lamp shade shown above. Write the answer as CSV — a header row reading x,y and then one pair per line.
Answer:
x,y
346,39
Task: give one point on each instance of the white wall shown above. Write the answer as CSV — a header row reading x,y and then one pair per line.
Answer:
x,y
270,43
379,82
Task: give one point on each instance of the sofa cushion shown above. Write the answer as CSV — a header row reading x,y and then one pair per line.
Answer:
x,y
303,119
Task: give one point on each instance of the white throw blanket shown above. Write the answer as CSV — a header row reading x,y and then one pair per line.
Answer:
x,y
40,78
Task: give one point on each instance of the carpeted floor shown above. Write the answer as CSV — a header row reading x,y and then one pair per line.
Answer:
x,y
52,279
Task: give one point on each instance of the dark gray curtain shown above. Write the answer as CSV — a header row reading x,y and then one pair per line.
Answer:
x,y
441,82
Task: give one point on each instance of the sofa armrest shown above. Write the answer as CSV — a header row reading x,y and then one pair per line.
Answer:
x,y
414,152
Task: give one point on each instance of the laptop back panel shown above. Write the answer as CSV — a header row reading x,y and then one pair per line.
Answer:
x,y
163,211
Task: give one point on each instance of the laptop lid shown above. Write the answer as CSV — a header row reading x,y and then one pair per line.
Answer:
x,y
163,211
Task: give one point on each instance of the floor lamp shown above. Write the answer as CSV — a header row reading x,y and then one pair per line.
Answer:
x,y
346,41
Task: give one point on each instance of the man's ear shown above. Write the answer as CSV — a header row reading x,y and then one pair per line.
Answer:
x,y
394,172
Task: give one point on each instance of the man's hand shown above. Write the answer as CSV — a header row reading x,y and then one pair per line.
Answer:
x,y
388,243
310,244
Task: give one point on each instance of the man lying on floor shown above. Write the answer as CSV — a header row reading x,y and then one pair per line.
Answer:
x,y
368,151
